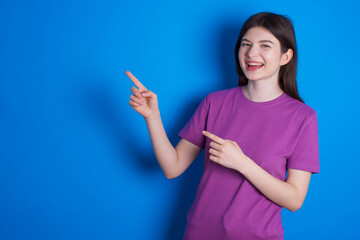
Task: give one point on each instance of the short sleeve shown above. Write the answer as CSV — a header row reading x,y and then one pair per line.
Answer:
x,y
305,155
192,131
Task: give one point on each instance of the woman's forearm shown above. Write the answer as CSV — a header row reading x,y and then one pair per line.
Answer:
x,y
164,151
283,193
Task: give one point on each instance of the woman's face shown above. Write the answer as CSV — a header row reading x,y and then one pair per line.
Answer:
x,y
260,55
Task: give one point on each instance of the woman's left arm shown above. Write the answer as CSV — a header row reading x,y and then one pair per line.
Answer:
x,y
289,194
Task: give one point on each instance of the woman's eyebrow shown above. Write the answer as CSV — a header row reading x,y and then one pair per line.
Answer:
x,y
267,41
261,41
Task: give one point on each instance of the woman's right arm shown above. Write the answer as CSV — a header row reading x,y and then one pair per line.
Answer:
x,y
173,161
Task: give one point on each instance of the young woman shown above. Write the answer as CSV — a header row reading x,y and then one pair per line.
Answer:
x,y
253,135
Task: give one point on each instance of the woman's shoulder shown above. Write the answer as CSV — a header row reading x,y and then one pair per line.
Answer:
x,y
299,107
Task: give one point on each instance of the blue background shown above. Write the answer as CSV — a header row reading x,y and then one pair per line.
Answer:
x,y
76,160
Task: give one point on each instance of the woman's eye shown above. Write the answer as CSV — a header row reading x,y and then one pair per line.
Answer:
x,y
265,46
245,44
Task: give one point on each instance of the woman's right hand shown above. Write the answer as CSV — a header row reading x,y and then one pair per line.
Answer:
x,y
143,101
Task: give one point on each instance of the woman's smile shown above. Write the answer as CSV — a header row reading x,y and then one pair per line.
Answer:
x,y
253,65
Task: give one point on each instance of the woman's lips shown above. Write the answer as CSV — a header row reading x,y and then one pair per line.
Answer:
x,y
253,66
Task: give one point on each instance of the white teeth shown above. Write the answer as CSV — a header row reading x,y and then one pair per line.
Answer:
x,y
255,64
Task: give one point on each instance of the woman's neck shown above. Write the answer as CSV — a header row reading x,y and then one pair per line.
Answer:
x,y
262,91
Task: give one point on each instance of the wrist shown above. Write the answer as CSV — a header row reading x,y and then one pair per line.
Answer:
x,y
244,165
153,116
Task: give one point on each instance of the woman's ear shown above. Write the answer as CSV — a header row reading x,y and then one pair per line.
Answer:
x,y
286,57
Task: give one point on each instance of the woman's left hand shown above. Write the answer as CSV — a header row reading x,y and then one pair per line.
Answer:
x,y
226,152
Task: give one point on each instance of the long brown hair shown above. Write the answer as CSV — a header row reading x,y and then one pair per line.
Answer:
x,y
283,30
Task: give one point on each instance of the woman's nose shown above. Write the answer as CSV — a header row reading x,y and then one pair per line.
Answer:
x,y
252,52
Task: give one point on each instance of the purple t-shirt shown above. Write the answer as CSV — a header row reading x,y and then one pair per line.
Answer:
x,y
277,134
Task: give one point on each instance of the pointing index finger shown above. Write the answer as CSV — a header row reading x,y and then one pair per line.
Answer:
x,y
213,137
135,81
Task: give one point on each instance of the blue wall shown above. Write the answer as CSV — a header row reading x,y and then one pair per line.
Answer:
x,y
76,160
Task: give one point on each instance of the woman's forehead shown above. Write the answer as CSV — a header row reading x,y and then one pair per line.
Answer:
x,y
259,34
